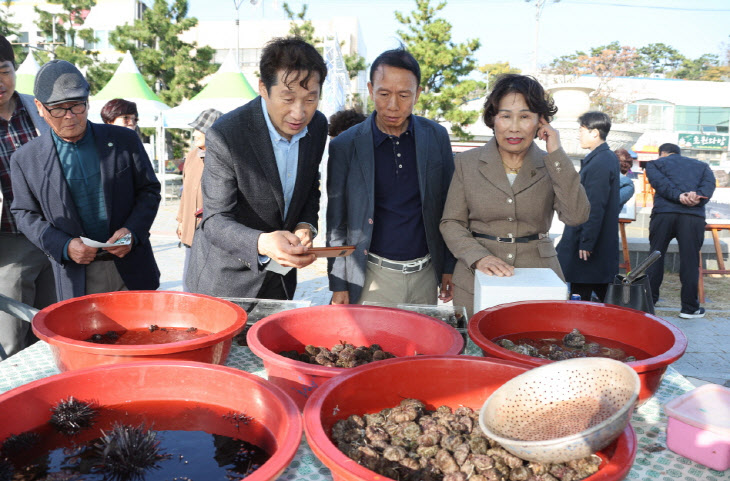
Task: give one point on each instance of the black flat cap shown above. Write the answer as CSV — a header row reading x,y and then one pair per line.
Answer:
x,y
59,81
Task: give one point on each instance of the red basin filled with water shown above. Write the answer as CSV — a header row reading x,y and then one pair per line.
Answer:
x,y
200,388
660,342
66,326
436,380
400,332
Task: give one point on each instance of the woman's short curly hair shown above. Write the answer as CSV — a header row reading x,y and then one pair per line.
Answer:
x,y
539,101
343,120
116,108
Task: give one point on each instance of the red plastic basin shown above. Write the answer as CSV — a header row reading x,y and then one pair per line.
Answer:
x,y
199,385
653,335
65,325
400,332
436,380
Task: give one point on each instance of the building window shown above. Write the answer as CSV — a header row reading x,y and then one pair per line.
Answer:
x,y
23,37
651,115
708,120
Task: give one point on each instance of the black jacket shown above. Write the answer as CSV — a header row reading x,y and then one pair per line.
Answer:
x,y
673,175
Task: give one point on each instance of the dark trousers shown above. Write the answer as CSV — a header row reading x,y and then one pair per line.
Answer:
x,y
585,290
689,230
273,287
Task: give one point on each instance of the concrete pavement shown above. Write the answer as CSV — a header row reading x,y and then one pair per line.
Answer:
x,y
707,358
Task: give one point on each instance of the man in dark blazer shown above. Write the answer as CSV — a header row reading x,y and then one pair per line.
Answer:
x,y
89,180
588,253
261,182
387,181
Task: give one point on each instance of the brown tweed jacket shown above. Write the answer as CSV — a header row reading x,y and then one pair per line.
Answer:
x,y
481,200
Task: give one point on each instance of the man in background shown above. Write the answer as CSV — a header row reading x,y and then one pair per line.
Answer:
x,y
588,253
683,186
25,271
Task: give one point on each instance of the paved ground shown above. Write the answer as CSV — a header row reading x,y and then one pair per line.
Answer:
x,y
707,358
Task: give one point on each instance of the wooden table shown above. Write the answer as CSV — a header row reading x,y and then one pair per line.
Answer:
x,y
715,229
626,264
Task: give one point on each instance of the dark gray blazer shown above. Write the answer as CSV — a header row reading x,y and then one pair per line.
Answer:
x,y
47,216
243,198
351,198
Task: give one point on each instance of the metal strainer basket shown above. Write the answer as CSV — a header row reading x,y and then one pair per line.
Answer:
x,y
562,411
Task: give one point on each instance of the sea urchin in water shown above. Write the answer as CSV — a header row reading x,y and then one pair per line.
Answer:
x,y
71,416
126,452
16,444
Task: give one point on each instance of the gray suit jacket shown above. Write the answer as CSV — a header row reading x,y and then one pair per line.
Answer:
x,y
40,125
243,198
351,198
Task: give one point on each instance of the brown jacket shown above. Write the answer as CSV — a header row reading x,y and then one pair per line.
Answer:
x,y
192,196
481,200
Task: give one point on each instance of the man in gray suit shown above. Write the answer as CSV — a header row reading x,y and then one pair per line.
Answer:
x,y
387,181
25,271
261,181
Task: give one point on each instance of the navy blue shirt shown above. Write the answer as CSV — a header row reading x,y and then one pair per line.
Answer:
x,y
398,231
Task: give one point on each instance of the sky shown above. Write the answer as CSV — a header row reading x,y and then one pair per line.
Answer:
x,y
506,28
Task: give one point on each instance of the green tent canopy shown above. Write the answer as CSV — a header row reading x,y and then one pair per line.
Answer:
x,y
25,75
226,90
128,84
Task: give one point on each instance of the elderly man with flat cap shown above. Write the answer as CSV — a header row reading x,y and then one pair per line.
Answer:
x,y
85,180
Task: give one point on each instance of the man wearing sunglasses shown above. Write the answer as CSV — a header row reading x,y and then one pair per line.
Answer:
x,y
85,180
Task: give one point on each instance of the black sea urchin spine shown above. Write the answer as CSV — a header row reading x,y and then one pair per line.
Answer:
x,y
127,452
71,416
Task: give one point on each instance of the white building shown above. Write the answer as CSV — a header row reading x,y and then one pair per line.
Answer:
x,y
103,18
252,35
692,114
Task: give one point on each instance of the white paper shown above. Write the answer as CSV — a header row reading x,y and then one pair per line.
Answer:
x,y
277,268
122,241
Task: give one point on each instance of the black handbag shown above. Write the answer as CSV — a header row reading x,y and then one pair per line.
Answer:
x,y
633,289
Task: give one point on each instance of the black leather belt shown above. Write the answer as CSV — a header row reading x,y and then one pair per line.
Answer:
x,y
404,267
508,240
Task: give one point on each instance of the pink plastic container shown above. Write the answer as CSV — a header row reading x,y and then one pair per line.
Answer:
x,y
699,426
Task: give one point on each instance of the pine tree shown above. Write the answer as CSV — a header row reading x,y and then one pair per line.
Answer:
x,y
444,66
170,65
72,41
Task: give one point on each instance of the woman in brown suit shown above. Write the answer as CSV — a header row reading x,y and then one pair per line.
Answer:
x,y
503,195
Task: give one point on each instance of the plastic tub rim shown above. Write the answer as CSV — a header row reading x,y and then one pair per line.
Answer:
x,y
344,467
284,450
258,348
45,334
656,362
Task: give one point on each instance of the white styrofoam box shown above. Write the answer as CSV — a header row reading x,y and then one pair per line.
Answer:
x,y
527,284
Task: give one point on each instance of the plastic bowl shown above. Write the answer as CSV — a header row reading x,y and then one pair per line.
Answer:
x,y
662,341
278,422
436,380
400,332
563,411
65,326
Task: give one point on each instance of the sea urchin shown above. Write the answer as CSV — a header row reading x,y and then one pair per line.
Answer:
x,y
71,416
126,452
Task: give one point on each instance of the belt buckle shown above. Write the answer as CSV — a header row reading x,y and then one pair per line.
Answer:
x,y
506,240
412,267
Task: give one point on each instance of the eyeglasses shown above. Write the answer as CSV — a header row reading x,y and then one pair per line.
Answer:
x,y
58,112
129,118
